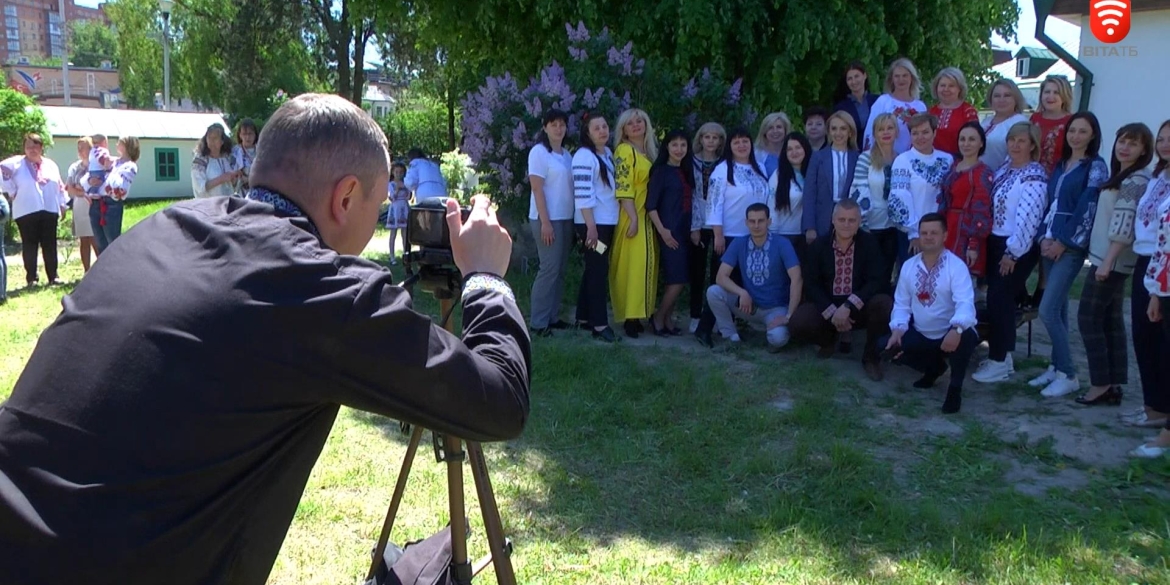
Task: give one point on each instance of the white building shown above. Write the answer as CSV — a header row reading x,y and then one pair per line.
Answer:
x,y
1130,82
167,140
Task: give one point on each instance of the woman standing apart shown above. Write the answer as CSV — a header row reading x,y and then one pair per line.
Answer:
x,y
1073,189
550,171
1008,105
596,218
871,190
1055,109
1151,343
966,201
106,212
1018,204
708,152
1112,261
949,89
38,202
214,172
75,186
830,176
786,192
903,87
633,269
668,203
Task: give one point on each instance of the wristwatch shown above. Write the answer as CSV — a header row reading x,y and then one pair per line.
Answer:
x,y
958,329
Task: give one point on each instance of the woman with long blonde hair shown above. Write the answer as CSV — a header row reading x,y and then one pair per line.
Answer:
x,y
708,153
770,143
903,88
871,188
1051,117
633,274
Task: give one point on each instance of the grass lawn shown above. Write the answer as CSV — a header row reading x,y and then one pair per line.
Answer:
x,y
661,463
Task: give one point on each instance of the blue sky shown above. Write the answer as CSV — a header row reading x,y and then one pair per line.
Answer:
x,y
1060,31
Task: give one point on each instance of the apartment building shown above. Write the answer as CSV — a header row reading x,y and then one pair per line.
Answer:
x,y
35,29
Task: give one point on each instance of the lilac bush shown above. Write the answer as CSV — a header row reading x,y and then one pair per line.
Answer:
x,y
501,120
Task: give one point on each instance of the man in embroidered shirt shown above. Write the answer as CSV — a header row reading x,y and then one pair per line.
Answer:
x,y
227,332
844,280
933,320
771,283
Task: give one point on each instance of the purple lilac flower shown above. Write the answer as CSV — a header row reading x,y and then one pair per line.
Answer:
x,y
626,101
692,120
733,93
518,136
691,90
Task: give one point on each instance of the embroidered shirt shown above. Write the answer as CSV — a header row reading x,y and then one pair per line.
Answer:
x,y
871,190
1017,204
934,299
764,268
995,151
1146,225
1157,278
727,204
1114,221
843,269
915,184
593,191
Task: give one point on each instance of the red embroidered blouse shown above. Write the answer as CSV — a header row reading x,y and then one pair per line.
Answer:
x,y
950,121
965,200
1051,139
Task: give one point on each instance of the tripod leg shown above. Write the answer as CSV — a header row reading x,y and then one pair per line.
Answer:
x,y
493,526
396,500
453,448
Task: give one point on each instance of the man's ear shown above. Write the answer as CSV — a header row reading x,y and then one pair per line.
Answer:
x,y
344,197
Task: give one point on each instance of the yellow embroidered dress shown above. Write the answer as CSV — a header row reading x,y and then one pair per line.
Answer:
x,y
633,265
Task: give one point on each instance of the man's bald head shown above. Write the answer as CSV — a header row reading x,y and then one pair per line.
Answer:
x,y
315,140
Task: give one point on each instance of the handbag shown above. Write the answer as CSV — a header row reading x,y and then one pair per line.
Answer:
x,y
422,562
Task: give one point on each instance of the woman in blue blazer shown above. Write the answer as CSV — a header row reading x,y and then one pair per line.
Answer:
x,y
853,96
830,176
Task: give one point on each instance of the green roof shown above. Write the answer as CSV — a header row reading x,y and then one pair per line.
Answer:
x,y
1036,53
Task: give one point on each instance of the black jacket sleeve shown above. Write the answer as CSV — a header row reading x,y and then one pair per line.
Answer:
x,y
814,278
867,259
390,360
655,190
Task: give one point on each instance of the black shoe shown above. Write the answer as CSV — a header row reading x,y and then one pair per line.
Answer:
x,y
704,338
559,325
607,335
546,332
638,324
927,381
845,347
1110,397
631,328
954,400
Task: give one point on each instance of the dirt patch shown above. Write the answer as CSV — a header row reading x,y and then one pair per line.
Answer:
x,y
1030,480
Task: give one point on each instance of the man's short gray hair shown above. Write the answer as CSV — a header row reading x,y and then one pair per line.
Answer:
x,y
847,205
313,141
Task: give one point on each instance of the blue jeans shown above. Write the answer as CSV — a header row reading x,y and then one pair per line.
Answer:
x,y
1054,307
103,236
3,261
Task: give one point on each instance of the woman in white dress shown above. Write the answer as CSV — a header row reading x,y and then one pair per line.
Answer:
x,y
75,187
214,172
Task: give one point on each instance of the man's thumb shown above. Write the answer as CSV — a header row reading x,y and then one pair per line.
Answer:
x,y
454,217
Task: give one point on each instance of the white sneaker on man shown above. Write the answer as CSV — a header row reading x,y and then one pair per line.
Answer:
x,y
992,371
694,325
1062,385
1043,379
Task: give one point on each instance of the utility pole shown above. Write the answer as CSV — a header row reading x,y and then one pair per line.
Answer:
x,y
64,51
165,7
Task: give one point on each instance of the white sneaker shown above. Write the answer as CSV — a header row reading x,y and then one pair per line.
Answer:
x,y
994,371
694,325
734,338
1061,386
1129,415
1044,379
1144,421
1148,451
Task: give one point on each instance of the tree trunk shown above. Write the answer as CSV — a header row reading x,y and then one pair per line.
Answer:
x,y
342,35
450,118
359,63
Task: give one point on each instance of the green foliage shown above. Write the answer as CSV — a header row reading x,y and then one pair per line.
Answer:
x,y
139,52
240,55
92,43
19,115
459,172
418,120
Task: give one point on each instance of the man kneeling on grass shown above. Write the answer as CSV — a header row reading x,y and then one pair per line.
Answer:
x,y
846,285
933,320
771,283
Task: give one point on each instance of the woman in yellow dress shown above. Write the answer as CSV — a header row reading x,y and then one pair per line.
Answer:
x,y
633,265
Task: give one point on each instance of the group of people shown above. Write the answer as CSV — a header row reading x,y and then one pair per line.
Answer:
x,y
805,232
36,197
418,178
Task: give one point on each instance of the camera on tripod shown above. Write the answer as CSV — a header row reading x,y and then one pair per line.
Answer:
x,y
426,227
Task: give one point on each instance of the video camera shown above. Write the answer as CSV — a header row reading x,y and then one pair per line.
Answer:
x,y
426,227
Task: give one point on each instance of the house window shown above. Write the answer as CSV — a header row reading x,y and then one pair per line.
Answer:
x,y
14,46
9,11
166,164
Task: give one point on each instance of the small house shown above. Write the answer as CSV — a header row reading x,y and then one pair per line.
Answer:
x,y
167,139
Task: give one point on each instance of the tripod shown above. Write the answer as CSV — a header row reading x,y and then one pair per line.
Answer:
x,y
443,284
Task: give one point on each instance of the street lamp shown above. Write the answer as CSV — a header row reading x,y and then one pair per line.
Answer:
x,y
164,6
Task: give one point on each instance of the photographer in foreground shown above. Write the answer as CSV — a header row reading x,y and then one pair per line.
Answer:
x,y
219,337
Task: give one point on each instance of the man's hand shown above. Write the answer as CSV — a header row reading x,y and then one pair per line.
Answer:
x,y
745,303
895,340
481,244
951,342
841,319
778,321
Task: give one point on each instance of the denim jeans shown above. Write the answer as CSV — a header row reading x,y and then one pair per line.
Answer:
x,y
725,306
103,236
1054,307
3,261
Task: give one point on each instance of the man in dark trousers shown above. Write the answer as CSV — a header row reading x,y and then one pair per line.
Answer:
x,y
845,286
220,335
